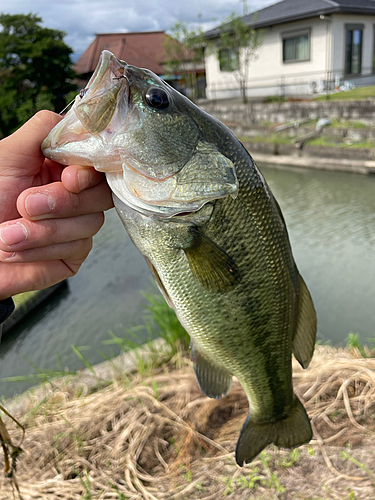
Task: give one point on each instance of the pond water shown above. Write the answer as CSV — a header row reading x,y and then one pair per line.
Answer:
x,y
331,222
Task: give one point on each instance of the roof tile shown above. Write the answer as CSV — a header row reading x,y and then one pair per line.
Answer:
x,y
289,10
142,49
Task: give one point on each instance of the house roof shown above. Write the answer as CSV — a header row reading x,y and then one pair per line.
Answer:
x,y
142,49
292,10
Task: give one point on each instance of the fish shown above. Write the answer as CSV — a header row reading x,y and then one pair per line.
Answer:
x,y
199,210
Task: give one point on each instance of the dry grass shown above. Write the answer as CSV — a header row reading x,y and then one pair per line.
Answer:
x,y
160,439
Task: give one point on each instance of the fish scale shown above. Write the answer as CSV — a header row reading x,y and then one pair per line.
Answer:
x,y
202,312
194,203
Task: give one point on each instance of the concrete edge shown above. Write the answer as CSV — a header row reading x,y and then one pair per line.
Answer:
x,y
341,165
30,305
87,380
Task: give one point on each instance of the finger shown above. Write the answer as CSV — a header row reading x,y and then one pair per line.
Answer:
x,y
72,250
20,152
54,170
54,201
24,277
76,178
22,234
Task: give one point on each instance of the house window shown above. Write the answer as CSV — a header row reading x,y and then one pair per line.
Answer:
x,y
228,59
296,46
353,50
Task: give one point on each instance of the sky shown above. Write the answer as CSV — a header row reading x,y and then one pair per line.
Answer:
x,y
82,19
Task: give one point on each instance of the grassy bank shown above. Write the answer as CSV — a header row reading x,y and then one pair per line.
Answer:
x,y
350,95
318,141
154,436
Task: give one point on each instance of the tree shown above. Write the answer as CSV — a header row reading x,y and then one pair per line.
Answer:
x,y
35,69
184,55
236,47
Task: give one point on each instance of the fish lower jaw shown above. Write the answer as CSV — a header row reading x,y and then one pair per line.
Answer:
x,y
167,208
165,197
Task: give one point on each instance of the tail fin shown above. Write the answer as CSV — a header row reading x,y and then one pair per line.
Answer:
x,y
291,432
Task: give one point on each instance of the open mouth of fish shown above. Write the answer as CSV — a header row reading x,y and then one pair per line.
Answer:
x,y
94,132
95,118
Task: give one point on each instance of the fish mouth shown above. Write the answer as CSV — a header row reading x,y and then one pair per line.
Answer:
x,y
96,116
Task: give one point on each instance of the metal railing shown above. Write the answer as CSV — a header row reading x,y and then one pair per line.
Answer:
x,y
296,84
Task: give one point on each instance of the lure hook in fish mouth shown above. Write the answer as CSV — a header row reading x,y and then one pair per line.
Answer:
x,y
108,63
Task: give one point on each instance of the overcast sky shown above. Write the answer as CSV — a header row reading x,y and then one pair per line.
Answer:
x,y
81,19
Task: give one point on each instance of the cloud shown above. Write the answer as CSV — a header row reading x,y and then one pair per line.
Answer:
x,y
81,19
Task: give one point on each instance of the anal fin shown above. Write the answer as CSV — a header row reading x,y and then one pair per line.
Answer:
x,y
214,381
305,334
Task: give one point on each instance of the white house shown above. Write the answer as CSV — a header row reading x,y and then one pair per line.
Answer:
x,y
307,45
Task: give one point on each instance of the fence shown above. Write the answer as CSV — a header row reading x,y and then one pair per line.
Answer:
x,y
297,84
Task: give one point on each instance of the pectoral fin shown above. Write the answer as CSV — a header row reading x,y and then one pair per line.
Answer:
x,y
211,265
213,380
305,335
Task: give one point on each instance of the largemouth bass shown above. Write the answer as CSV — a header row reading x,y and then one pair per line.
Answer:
x,y
198,209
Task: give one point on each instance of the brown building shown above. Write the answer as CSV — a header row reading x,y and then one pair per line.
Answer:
x,y
143,49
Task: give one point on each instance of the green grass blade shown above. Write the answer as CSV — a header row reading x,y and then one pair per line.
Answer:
x,y
83,359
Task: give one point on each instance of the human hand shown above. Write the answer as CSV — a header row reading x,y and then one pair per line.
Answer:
x,y
48,213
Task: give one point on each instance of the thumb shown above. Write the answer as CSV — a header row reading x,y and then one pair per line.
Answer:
x,y
20,152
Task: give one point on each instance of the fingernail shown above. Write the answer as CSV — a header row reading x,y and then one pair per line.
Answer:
x,y
79,181
12,234
7,255
39,204
84,179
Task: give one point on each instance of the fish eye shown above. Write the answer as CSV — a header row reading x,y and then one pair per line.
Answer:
x,y
157,98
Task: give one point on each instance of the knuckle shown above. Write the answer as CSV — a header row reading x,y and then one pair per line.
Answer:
x,y
88,246
51,228
76,202
99,221
85,248
80,250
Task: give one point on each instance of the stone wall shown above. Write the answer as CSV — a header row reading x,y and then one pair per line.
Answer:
x,y
254,113
364,154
